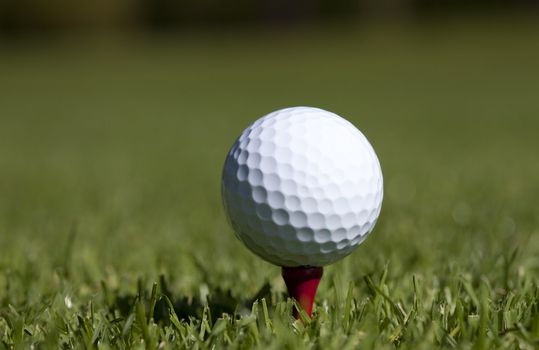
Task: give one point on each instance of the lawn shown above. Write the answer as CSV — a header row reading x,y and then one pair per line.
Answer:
x,y
112,233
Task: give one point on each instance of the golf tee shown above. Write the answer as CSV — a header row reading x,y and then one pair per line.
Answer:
x,y
302,283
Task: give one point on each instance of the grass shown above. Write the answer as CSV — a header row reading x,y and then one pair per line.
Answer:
x,y
111,228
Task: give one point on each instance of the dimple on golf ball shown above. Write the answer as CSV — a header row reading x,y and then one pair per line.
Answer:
x,y
302,187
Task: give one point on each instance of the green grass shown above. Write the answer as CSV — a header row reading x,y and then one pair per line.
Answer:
x,y
112,233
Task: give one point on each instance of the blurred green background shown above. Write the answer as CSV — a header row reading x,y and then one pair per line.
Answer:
x,y
120,135
115,119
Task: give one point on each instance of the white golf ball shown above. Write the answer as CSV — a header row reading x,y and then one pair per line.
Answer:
x,y
302,187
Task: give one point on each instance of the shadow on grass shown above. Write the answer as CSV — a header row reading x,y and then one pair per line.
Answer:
x,y
219,301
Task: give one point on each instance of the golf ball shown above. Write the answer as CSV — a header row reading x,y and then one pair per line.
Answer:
x,y
302,187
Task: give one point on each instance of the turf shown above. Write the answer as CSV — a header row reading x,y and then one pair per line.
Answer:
x,y
112,233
